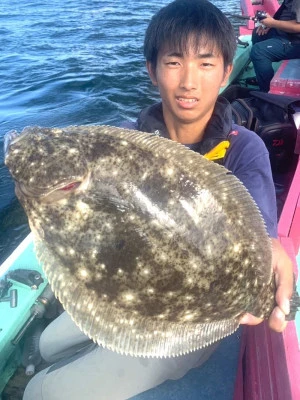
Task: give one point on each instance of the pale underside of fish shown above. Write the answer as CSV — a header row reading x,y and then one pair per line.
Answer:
x,y
152,249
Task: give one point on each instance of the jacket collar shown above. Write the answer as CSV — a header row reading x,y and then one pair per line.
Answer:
x,y
219,126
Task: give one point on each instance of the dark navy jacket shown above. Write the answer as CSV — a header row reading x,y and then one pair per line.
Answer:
x,y
247,157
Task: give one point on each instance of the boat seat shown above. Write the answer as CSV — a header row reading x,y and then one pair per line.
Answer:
x,y
287,79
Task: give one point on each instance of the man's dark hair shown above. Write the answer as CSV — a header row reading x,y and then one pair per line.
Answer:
x,y
183,19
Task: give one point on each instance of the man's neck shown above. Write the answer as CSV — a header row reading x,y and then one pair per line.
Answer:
x,y
186,133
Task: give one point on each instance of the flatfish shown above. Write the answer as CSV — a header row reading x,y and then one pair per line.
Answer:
x,y
153,250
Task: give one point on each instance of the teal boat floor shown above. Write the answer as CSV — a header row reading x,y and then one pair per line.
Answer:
x,y
13,319
214,380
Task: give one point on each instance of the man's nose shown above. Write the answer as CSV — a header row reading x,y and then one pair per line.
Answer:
x,y
189,77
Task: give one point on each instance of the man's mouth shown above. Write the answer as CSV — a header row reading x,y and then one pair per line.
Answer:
x,y
187,100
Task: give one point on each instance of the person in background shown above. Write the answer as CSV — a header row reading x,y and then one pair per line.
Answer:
x,y
276,39
189,48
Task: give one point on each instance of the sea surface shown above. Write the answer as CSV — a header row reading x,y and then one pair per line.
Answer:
x,y
70,62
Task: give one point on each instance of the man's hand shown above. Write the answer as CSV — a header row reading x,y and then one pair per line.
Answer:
x,y
283,269
261,30
291,26
264,28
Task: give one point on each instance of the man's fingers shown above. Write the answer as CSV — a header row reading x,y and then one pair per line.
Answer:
x,y
284,278
277,320
282,298
249,319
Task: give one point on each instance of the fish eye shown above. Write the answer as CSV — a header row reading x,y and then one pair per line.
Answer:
x,y
70,186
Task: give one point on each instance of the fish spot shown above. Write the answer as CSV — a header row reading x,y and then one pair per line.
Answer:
x,y
208,250
83,272
73,150
94,253
170,171
163,257
189,315
236,247
129,297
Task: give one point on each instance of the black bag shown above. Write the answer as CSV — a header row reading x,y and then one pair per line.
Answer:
x,y
270,116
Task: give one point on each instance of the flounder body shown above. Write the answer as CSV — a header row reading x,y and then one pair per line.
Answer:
x,y
152,249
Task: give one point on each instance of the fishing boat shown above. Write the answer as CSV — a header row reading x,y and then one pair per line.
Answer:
x,y
254,363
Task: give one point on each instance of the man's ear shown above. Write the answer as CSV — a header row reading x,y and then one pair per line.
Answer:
x,y
151,72
227,73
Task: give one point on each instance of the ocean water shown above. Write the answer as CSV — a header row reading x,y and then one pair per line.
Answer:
x,y
70,62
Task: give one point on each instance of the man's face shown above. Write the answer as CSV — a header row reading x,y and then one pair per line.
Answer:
x,y
189,83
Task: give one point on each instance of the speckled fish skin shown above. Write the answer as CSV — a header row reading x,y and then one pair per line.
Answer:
x,y
153,250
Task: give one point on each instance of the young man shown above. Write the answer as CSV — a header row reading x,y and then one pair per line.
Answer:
x,y
277,39
189,48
